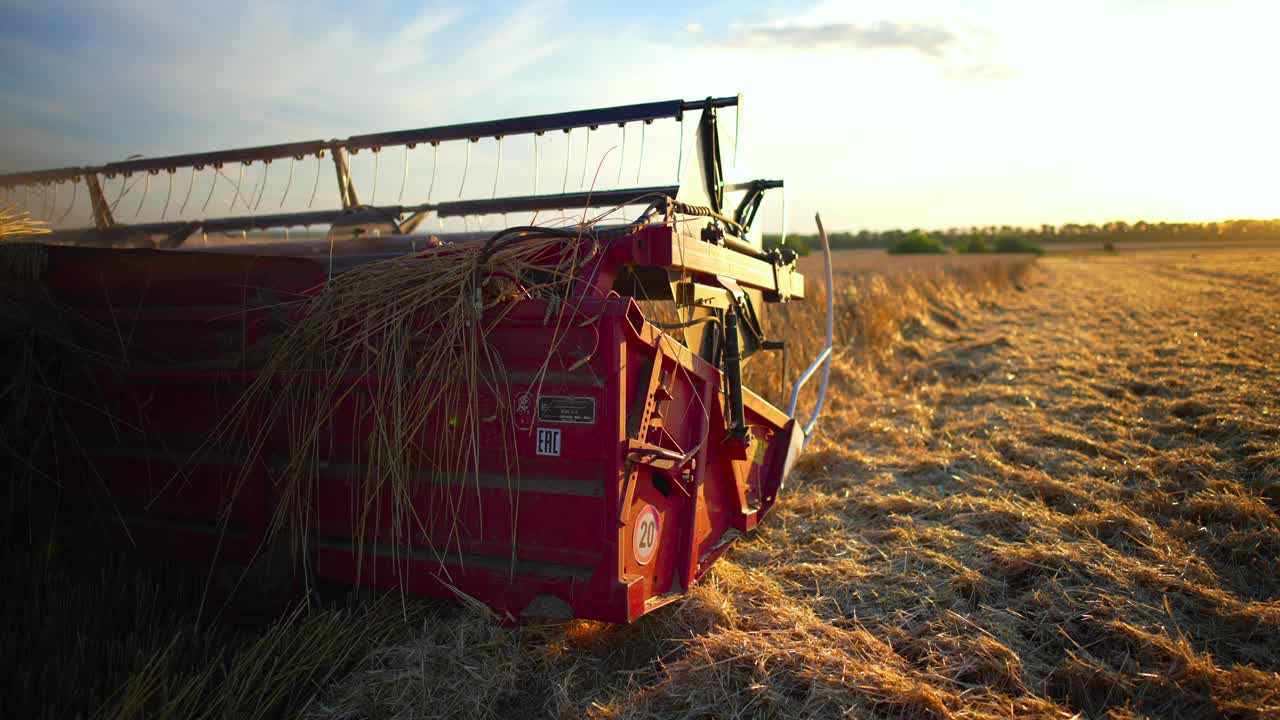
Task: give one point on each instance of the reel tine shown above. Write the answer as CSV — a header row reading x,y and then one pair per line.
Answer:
x,y
315,184
465,167
236,196
435,162
403,176
622,156
586,157
640,162
680,154
213,183
568,143
373,196
536,136
75,191
146,188
497,168
250,196
288,183
119,195
44,201
168,193
191,181
266,169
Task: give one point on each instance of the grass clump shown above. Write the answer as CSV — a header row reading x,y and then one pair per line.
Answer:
x,y
109,636
973,245
1014,244
917,242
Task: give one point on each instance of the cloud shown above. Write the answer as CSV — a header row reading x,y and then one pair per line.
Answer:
x,y
260,73
928,40
408,48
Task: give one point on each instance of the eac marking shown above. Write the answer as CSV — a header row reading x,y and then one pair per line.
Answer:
x,y
549,442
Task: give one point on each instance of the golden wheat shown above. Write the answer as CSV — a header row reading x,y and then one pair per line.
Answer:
x,y
15,224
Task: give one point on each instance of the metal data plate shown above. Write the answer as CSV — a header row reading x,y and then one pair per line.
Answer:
x,y
571,409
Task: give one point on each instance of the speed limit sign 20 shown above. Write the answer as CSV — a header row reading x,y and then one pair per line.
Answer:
x,y
644,534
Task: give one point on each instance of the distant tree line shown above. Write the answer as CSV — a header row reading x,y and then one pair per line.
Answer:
x,y
1007,238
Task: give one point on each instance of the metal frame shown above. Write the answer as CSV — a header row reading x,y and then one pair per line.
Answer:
x,y
745,215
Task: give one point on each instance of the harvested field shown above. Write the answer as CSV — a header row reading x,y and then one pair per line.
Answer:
x,y
1043,491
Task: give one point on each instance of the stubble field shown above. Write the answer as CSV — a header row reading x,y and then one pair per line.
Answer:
x,y
1042,490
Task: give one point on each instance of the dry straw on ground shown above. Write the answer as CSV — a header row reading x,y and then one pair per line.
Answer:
x,y
105,636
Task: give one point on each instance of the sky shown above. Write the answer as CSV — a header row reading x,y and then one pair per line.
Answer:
x,y
910,113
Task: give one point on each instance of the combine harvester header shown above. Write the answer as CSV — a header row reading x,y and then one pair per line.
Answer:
x,y
487,414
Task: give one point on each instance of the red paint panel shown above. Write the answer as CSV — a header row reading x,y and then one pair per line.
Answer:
x,y
550,525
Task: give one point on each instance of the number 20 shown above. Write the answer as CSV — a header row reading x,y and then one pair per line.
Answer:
x,y
646,534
